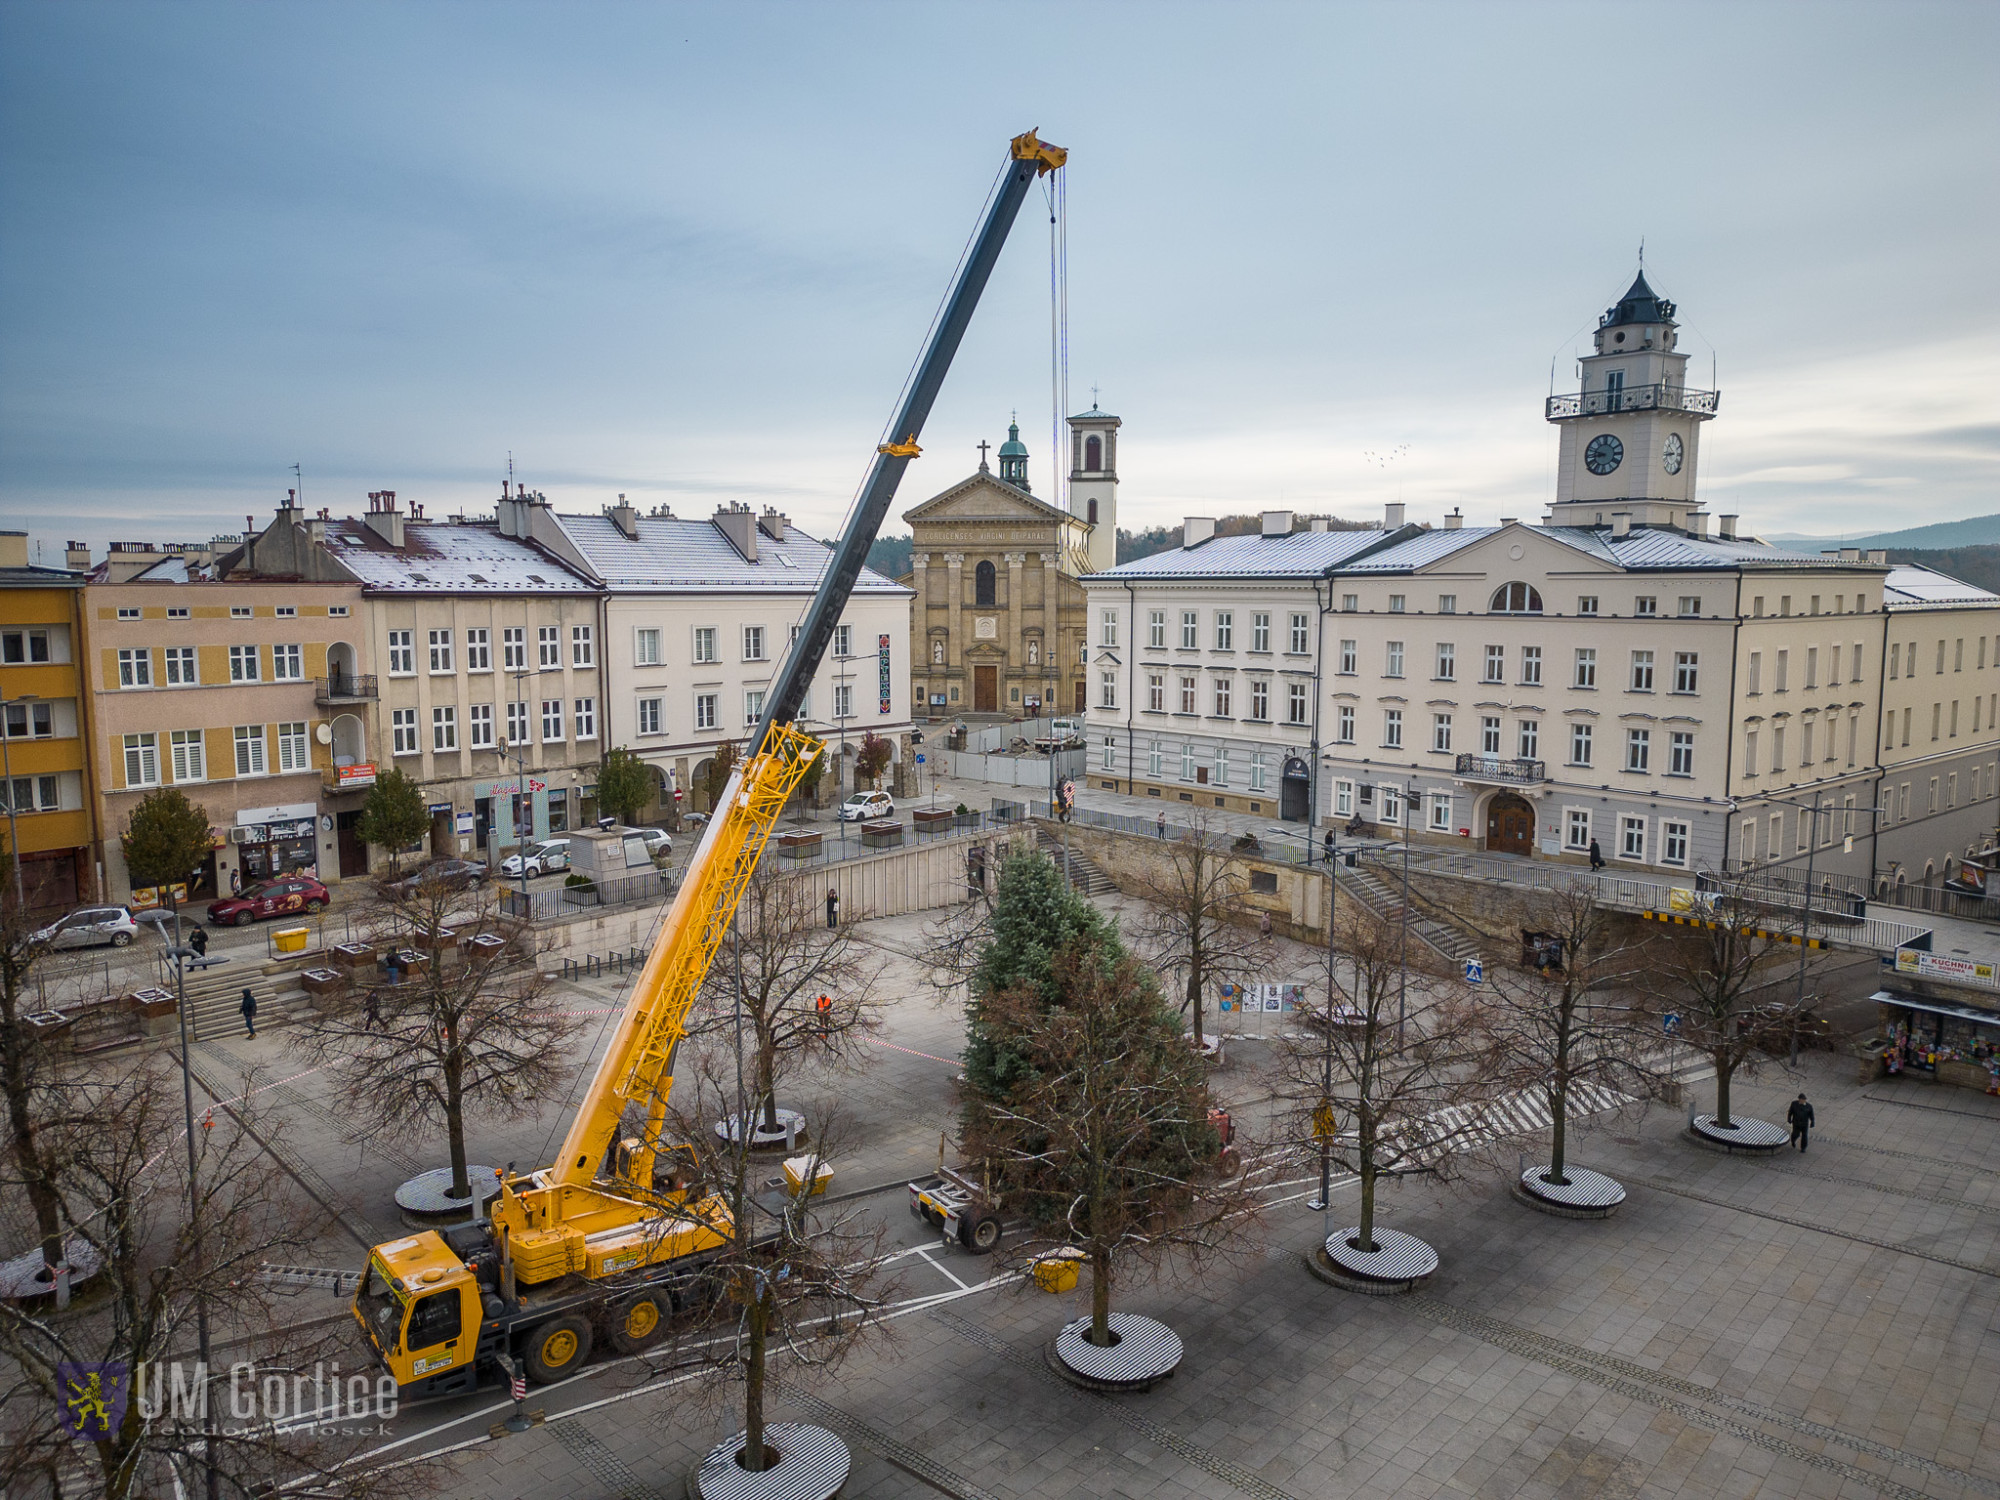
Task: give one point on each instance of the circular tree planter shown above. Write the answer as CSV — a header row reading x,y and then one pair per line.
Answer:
x,y
23,1277
1144,1352
1586,1195
1400,1263
1209,1048
791,1128
1740,1136
430,1192
812,1464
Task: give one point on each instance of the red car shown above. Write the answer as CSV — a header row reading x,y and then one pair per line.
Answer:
x,y
273,898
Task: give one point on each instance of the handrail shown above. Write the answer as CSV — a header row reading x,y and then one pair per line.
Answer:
x,y
1634,398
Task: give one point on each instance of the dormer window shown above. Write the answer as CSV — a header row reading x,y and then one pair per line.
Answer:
x,y
1515,599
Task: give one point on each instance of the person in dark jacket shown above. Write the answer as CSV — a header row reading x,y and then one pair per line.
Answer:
x,y
198,940
1596,856
832,908
371,1013
249,1009
1801,1117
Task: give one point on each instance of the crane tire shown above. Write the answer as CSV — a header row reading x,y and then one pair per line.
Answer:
x,y
638,1322
980,1233
557,1349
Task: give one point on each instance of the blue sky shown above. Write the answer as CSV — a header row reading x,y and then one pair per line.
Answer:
x,y
687,252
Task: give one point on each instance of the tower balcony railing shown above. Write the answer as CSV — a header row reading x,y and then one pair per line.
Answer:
x,y
1634,398
1494,768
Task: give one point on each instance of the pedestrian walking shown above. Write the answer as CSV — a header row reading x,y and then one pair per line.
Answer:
x,y
1161,824
1801,1117
249,1009
1328,846
371,1013
832,907
198,940
1596,856
1264,924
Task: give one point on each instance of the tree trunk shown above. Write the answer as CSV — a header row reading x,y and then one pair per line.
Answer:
x,y
1366,1153
454,1122
753,1381
767,1082
1723,1068
1194,1001
42,1197
1558,1134
1100,1296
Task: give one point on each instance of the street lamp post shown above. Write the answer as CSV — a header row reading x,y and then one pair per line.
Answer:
x,y
198,1250
1323,1127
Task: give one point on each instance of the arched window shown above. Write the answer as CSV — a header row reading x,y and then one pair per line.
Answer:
x,y
1092,516
1093,452
1515,599
982,584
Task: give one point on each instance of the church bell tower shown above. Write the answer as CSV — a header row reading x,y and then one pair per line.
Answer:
x,y
1014,458
1093,483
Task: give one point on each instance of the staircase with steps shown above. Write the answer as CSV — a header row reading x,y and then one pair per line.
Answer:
x,y
1083,875
1386,901
215,995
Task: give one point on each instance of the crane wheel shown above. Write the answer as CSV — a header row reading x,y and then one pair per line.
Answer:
x,y
557,1349
638,1324
980,1234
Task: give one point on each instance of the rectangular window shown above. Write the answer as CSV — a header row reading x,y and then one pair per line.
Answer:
x,y
1586,667
1260,632
1940,660
1645,606
646,647
250,748
1225,630
1783,671
1260,698
1530,738
548,648
1295,708
1496,664
1958,655
1259,772
1680,753
1447,662
843,700
704,643
1579,744
1690,604
1343,799
586,718
30,721
1221,774
1687,673
1777,748
1187,763
1489,735
1190,630
1632,838
190,755
1301,635
1638,749
444,728
128,614
552,721
1531,666
1107,683
583,645
1156,629
1440,812
22,647
1749,752
287,664
479,726
1392,729
402,732
1753,677
1441,733
1154,758
1343,724
1812,668
1350,659
1674,843
514,648
1110,761
1395,604
402,654
1392,805
243,664
337,611
440,644
843,640
753,643
1895,661
1394,667
142,760
135,668
1156,692
1188,688
478,649
705,705
517,723
1586,604
753,705
1576,828
1805,742
236,611
1350,603
1642,671
1447,604
1855,675
292,752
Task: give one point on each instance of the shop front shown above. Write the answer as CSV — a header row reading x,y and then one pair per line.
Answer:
x,y
272,841
1949,1040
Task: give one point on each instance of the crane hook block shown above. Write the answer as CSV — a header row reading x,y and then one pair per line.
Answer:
x,y
906,449
1047,158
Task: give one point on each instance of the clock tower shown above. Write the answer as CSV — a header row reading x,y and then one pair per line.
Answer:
x,y
1631,436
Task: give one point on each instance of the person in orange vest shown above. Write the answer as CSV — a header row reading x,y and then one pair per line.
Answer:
x,y
823,1007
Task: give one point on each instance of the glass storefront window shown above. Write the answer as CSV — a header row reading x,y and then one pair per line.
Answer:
x,y
558,812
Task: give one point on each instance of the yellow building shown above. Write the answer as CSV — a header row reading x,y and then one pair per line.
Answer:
x,y
43,769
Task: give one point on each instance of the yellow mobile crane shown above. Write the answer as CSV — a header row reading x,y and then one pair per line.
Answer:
x,y
595,1242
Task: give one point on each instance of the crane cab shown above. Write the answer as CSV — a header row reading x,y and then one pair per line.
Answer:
x,y
420,1307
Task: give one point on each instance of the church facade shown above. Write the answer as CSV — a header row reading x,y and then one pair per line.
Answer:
x,y
997,624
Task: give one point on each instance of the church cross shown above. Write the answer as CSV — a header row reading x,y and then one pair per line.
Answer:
x,y
1093,398
983,446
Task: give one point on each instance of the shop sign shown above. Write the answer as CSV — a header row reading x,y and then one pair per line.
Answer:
x,y
462,824
882,669
150,896
354,776
1943,966
509,788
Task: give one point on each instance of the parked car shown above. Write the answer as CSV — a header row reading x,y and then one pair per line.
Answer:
x,y
866,805
456,873
543,858
657,841
90,927
286,896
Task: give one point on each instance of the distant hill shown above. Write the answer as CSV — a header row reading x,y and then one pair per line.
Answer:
x,y
1133,545
890,555
1978,566
1974,531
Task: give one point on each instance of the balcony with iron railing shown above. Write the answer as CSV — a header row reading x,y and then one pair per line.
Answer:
x,y
1634,398
1500,771
344,687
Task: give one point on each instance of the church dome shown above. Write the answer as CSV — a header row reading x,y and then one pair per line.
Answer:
x,y
1639,305
1013,447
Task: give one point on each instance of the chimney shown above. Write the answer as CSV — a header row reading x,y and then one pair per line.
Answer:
x,y
383,518
13,549
1320,523
1197,529
1850,554
1725,527
1621,524
1392,515
625,518
249,544
316,530
775,524
737,524
77,556
1697,521
1454,521
1880,559
1277,523
1508,520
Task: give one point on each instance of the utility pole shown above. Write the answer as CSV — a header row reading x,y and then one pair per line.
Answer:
x,y
194,1203
1323,1125
1805,925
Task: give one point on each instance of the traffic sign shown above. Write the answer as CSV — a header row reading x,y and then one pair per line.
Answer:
x,y
1475,971
920,760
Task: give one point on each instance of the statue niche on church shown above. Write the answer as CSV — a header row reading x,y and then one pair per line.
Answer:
x,y
1034,651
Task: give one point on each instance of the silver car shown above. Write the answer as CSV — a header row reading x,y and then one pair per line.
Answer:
x,y
91,927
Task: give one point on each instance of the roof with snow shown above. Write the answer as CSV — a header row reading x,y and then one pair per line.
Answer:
x,y
673,555
1300,554
456,557
1923,588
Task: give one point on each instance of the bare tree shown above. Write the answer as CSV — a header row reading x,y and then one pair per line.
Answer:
x,y
26,1061
1388,1088
1103,1136
808,990
1199,926
1568,1017
470,1028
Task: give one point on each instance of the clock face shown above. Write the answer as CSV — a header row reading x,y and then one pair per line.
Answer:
x,y
1604,454
1673,454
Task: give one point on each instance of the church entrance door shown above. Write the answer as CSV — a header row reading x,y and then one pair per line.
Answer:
x,y
1082,700
985,690
1510,825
